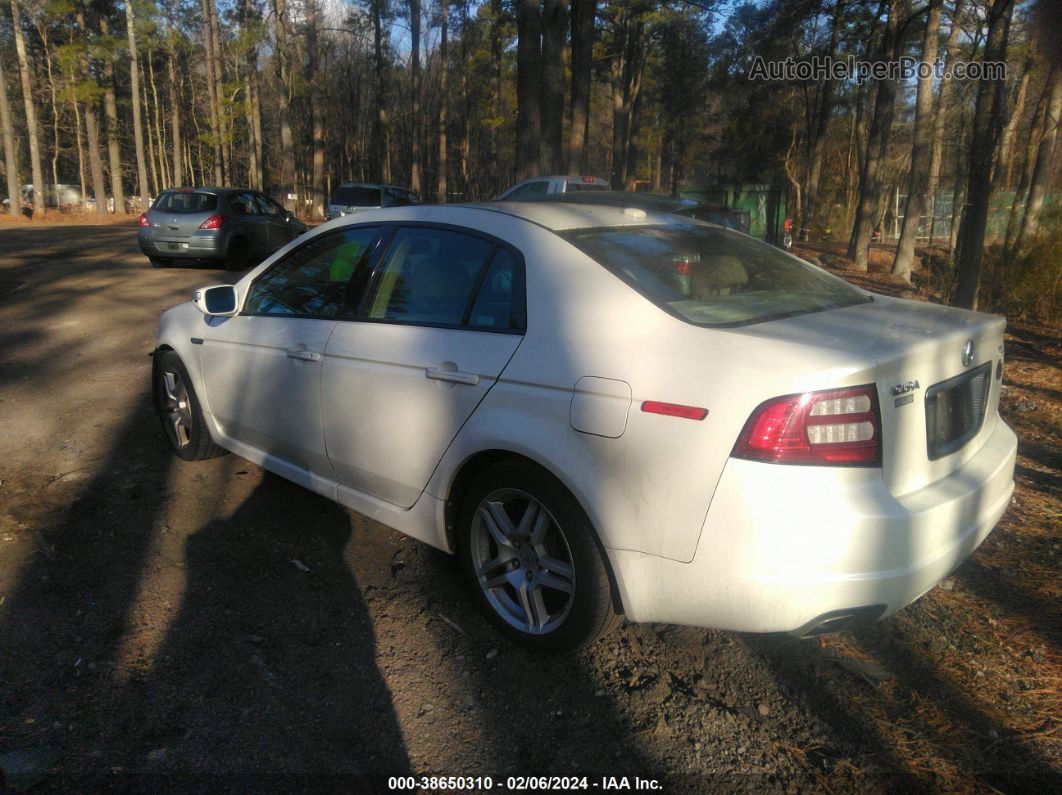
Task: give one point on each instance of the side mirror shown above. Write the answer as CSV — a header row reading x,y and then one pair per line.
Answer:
x,y
220,300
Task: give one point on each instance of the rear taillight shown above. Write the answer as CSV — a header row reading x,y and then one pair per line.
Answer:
x,y
144,220
213,222
838,427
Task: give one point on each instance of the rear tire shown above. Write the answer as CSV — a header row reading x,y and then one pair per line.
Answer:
x,y
178,409
238,257
532,560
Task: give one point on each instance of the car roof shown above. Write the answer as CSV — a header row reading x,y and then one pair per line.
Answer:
x,y
616,198
375,185
559,216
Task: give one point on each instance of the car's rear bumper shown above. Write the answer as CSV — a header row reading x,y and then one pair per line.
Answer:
x,y
193,247
785,547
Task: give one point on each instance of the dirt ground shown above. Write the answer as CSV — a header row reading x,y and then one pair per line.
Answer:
x,y
171,627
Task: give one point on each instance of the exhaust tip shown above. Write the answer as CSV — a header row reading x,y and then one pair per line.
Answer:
x,y
839,620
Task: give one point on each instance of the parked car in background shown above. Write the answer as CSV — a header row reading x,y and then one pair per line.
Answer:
x,y
234,226
541,186
688,208
352,197
607,410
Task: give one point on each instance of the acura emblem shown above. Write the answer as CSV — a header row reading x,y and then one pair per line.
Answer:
x,y
967,353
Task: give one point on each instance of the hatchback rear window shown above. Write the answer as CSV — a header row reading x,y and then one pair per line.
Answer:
x,y
713,277
356,196
187,202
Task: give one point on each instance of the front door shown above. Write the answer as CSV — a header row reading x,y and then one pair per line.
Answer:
x,y
262,368
441,319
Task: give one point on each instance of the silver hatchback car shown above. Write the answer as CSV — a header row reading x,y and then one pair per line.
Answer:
x,y
234,226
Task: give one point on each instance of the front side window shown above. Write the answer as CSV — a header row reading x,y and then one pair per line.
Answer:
x,y
312,280
711,276
427,276
181,201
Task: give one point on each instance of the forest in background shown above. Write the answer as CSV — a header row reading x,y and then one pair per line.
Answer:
x,y
457,99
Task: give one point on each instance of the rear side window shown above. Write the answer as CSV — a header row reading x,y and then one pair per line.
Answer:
x,y
356,196
499,302
713,277
580,186
243,204
312,280
427,276
186,202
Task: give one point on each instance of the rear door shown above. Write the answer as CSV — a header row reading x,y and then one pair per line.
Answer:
x,y
262,368
441,319
252,223
280,231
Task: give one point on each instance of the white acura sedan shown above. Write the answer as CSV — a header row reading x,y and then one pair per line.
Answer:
x,y
606,413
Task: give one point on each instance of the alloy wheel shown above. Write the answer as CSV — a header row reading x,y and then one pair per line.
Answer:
x,y
522,561
176,407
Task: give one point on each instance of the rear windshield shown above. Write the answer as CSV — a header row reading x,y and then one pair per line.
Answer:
x,y
355,196
187,202
713,277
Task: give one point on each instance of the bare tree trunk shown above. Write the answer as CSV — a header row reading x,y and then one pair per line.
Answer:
x,y
877,143
554,29
287,143
26,74
1036,133
80,142
92,131
495,89
528,96
921,149
138,134
175,112
10,153
110,109
940,113
381,124
317,186
628,62
219,75
822,124
415,120
444,70
582,14
1005,163
1030,222
985,131
213,91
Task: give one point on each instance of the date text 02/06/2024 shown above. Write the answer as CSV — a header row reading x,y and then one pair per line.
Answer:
x,y
521,783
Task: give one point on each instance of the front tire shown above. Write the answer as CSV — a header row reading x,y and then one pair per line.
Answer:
x,y
160,262
532,560
179,412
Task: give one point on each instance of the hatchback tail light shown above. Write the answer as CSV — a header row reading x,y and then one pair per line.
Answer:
x,y
213,222
143,221
836,427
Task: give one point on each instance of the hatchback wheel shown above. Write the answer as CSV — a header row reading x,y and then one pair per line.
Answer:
x,y
531,558
178,409
160,262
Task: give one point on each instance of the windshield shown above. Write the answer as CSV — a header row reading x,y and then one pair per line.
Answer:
x,y
713,277
186,202
357,196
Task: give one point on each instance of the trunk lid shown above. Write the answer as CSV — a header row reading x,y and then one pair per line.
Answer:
x,y
925,382
178,215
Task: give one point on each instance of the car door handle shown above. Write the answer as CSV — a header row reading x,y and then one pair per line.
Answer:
x,y
305,355
453,376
